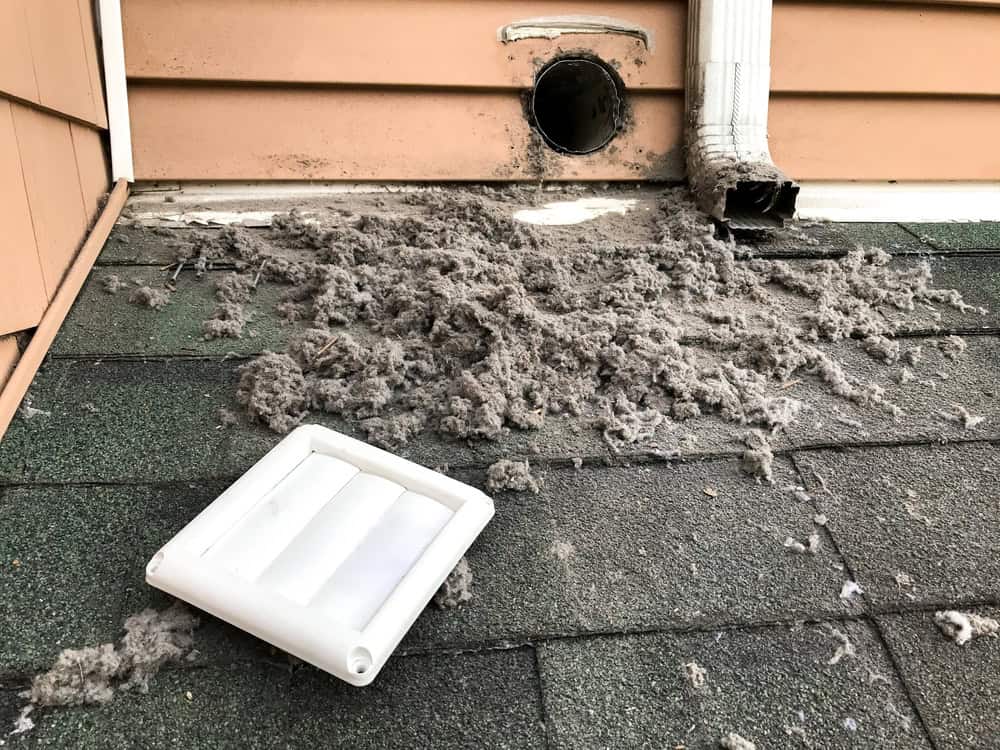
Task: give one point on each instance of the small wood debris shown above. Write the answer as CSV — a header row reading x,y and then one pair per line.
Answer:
x,y
912,512
23,723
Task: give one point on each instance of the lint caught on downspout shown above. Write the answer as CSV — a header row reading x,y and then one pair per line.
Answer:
x,y
729,164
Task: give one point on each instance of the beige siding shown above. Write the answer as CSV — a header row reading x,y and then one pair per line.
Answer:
x,y
396,89
381,90
23,296
238,133
431,43
53,168
17,72
885,49
940,138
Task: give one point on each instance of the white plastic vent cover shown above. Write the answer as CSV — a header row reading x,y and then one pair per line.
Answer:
x,y
327,548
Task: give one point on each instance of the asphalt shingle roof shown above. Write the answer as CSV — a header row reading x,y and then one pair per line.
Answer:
x,y
589,597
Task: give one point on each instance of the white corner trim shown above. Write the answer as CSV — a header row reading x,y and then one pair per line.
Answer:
x,y
909,201
116,91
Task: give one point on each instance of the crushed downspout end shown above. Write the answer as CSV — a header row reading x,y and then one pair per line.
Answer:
x,y
729,164
742,194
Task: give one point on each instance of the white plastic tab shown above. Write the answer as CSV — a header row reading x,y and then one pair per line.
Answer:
x,y
327,548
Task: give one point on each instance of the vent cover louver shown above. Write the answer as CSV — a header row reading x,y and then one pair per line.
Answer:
x,y
327,548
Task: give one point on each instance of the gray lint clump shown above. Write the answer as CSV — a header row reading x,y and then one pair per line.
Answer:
x,y
758,458
234,287
962,416
227,321
810,547
273,390
733,741
513,476
845,648
952,347
962,627
695,674
112,283
457,587
146,296
453,318
91,675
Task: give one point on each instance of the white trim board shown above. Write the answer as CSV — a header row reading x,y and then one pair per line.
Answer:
x,y
116,90
261,190
910,201
823,201
146,192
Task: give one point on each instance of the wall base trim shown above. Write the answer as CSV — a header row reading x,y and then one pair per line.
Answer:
x,y
822,201
908,201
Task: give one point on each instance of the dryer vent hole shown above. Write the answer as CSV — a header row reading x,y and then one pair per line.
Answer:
x,y
577,105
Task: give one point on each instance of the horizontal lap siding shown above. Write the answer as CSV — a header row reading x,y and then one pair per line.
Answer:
x,y
824,47
23,296
402,90
886,91
382,90
429,43
847,138
240,133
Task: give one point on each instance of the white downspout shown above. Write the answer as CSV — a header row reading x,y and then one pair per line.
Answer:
x,y
728,87
116,91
